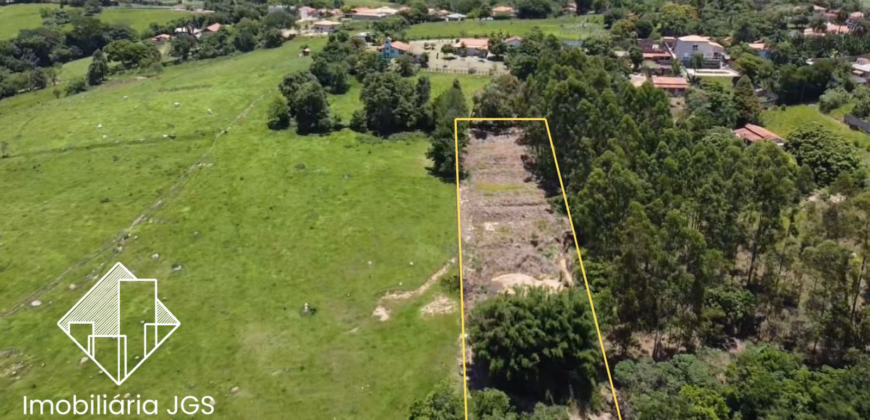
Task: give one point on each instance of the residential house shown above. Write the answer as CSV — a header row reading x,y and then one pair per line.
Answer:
x,y
674,86
751,133
475,47
189,30
819,9
861,70
364,13
325,26
513,42
306,12
829,29
454,17
392,49
688,46
162,38
760,47
569,9
503,11
440,13
655,51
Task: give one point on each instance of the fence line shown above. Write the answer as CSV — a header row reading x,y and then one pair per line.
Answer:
x,y
487,72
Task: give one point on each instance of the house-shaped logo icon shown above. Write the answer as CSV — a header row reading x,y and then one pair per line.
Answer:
x,y
119,323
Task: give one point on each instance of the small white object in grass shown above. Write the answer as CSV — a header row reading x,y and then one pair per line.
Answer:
x,y
177,104
105,136
234,389
412,262
370,263
100,125
209,111
125,97
166,136
155,256
83,360
36,303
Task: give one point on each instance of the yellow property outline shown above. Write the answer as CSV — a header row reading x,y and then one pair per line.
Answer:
x,y
573,232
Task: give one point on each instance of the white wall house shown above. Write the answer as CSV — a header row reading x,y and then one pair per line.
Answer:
x,y
688,46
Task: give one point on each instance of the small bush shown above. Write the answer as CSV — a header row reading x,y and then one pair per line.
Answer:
x,y
76,86
833,99
278,117
358,121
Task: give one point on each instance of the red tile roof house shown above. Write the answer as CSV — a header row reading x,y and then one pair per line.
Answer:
x,y
503,11
325,26
674,86
474,46
752,133
392,49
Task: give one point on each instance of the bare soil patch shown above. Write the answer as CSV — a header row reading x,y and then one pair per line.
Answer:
x,y
510,234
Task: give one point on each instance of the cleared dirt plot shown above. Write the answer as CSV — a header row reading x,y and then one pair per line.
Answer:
x,y
510,234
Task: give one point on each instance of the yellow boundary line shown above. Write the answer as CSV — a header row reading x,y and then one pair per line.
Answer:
x,y
573,232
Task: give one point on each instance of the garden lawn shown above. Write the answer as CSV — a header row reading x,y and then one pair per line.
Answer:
x,y
15,17
567,27
267,222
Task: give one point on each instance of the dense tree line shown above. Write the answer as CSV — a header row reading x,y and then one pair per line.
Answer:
x,y
693,240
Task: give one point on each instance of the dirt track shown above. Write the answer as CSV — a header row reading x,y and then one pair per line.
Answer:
x,y
510,235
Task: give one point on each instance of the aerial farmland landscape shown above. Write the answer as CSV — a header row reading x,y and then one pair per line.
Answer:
x,y
267,201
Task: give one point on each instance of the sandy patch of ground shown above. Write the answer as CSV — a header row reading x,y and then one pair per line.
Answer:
x,y
382,313
441,305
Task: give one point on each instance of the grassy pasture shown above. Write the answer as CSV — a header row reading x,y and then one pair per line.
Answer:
x,y
15,17
785,121
566,27
139,19
268,222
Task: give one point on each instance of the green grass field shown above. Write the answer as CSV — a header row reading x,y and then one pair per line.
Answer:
x,y
572,27
139,19
265,223
16,17
785,121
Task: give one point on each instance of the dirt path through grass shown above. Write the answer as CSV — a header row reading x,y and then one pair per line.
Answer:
x,y
381,311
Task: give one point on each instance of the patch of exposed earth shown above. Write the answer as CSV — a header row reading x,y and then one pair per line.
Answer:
x,y
382,313
510,234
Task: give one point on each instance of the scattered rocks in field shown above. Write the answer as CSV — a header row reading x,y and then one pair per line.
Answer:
x,y
36,303
100,125
209,111
155,256
127,396
234,390
177,104
83,360
166,136
176,267
72,287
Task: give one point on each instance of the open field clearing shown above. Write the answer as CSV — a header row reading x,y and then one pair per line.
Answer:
x,y
16,17
241,229
785,121
569,27
139,19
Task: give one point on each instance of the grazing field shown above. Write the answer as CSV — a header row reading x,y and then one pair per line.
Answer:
x,y
139,19
785,121
15,17
570,27
256,223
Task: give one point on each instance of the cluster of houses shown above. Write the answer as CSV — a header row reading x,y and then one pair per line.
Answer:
x,y
472,47
831,26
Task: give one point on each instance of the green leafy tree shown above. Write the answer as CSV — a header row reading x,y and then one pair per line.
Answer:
x,y
448,106
278,115
182,46
388,100
538,342
311,109
826,154
405,66
245,40
98,70
746,103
